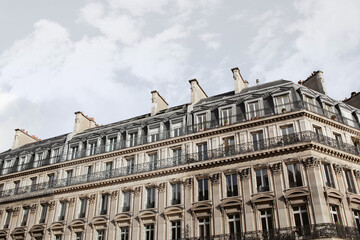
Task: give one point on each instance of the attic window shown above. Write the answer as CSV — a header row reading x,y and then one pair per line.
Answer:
x,y
254,109
282,103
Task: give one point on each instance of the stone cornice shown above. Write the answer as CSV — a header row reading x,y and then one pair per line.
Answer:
x,y
189,137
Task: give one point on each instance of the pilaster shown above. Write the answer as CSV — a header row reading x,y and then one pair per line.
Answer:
x,y
249,221
188,186
276,170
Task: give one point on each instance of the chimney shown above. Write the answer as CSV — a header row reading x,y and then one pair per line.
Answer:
x,y
21,138
197,93
354,100
83,122
239,82
158,103
316,82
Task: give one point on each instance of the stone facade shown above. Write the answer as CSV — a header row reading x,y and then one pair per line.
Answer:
x,y
266,162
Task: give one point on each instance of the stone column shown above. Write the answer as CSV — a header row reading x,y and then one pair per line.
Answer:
x,y
281,209
249,223
318,201
188,225
216,196
112,213
348,218
161,224
137,206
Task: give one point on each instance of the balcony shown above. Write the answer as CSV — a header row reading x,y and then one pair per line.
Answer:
x,y
222,152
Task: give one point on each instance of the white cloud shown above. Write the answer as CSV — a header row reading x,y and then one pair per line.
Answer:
x,y
211,40
139,7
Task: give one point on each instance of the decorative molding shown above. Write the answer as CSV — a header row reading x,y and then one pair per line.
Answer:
x,y
245,173
114,195
137,191
72,202
1,212
162,187
33,208
188,182
357,174
52,205
276,168
92,198
16,211
215,178
311,162
338,168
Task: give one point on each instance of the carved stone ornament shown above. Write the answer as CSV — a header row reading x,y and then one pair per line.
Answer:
x,y
162,187
215,178
16,211
52,205
1,212
72,202
338,168
357,174
33,208
92,198
137,191
188,182
276,168
311,162
114,195
245,173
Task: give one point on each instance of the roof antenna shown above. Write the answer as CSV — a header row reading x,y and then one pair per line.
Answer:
x,y
257,81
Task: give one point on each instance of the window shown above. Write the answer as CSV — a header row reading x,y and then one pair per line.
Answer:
x,y
25,216
282,104
58,237
83,205
350,185
133,139
51,178
318,133
229,146
88,171
124,233
258,140
55,155
44,208
33,183
226,115
234,225
153,134
62,211
203,186
287,130
204,227
266,220
262,180
309,103
126,201
69,174
104,201
231,185
300,216
16,187
74,152
7,165
328,109
8,218
202,151
254,110
338,140
92,148
108,169
79,236
201,122
153,164
22,163
112,143
356,214
176,156
176,129
100,234
328,176
149,232
40,157
1,189
130,165
294,175
175,230
175,193
334,212
150,197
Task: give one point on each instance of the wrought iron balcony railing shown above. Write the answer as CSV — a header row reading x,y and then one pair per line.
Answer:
x,y
184,130
221,152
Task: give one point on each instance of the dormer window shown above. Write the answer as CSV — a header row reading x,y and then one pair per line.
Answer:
x,y
7,165
282,104
74,152
309,101
153,134
254,110
112,143
201,121
22,163
39,158
133,139
226,115
55,155
176,128
92,148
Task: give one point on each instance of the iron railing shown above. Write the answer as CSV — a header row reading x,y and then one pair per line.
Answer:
x,y
221,152
316,231
184,130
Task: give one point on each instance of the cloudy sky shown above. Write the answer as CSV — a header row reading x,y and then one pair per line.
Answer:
x,y
104,57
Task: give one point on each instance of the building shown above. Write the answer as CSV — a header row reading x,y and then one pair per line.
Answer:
x,y
277,160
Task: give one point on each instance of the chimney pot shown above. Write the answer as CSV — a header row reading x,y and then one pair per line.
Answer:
x,y
239,82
